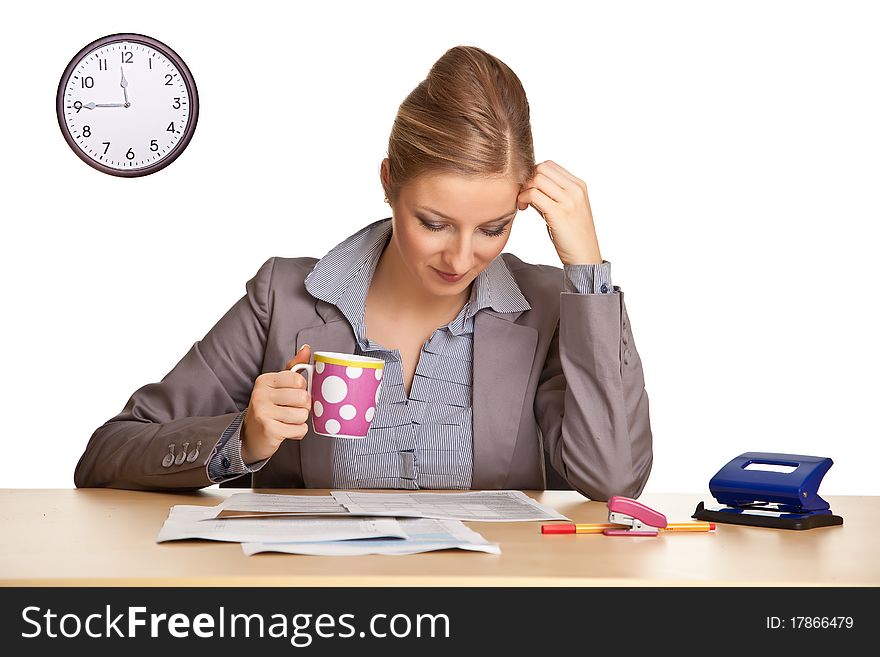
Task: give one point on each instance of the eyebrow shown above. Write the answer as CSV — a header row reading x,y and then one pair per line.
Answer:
x,y
440,214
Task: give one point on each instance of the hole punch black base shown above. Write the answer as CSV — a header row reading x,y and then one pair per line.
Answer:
x,y
757,518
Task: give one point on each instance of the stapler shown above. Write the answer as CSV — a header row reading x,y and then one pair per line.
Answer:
x,y
763,497
640,519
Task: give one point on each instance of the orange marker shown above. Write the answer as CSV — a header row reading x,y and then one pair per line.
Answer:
x,y
689,527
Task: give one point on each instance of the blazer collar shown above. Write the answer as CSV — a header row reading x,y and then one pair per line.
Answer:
x,y
349,266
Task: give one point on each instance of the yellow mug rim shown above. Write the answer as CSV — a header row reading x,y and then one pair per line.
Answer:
x,y
350,363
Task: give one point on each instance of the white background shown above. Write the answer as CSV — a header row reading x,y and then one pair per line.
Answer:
x,y
730,149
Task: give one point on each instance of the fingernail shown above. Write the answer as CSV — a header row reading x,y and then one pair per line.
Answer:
x,y
303,347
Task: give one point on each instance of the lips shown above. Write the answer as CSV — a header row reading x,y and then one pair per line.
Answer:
x,y
447,276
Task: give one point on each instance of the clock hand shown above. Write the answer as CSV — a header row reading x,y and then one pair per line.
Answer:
x,y
124,85
92,106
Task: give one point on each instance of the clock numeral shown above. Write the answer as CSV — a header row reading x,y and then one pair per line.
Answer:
x,y
102,64
106,146
126,57
77,105
87,82
176,104
87,131
170,127
168,78
130,154
154,146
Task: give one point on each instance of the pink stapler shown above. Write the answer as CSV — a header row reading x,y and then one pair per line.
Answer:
x,y
641,520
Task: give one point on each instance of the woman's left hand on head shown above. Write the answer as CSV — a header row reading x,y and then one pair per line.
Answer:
x,y
562,200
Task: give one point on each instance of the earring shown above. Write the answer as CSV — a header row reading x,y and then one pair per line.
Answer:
x,y
386,199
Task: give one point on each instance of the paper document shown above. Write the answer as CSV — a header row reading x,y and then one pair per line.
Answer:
x,y
486,506
483,506
425,535
187,521
257,504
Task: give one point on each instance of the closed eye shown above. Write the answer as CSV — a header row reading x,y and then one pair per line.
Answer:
x,y
497,232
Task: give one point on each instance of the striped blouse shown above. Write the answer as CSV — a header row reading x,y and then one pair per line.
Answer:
x,y
423,440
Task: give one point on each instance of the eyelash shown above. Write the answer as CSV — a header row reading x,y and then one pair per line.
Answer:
x,y
435,228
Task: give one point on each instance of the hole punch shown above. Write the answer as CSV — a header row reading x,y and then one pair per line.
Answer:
x,y
766,489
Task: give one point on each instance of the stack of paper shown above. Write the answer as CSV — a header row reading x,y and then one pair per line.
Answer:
x,y
186,521
345,523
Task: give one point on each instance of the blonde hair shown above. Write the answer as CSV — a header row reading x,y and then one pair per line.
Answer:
x,y
469,117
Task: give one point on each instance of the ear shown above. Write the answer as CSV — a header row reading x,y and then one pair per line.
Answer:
x,y
385,174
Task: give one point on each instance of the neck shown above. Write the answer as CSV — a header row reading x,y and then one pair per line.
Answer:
x,y
393,284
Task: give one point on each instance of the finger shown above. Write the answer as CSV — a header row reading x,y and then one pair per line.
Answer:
x,y
304,355
545,205
286,379
289,431
562,176
524,200
290,397
296,360
288,415
549,187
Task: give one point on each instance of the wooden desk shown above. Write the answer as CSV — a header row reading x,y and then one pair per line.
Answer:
x,y
103,537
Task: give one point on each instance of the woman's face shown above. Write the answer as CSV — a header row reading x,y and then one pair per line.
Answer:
x,y
454,225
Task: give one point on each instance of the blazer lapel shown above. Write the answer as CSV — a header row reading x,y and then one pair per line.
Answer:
x,y
503,356
316,452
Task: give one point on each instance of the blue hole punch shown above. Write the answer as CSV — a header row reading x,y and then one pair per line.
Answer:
x,y
767,498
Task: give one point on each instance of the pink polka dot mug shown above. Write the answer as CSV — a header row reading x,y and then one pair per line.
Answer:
x,y
345,391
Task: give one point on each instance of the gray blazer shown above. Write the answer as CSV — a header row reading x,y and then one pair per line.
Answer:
x,y
558,387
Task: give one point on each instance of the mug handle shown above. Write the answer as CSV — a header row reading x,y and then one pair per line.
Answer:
x,y
310,368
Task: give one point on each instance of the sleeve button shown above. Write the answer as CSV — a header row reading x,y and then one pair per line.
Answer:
x,y
604,288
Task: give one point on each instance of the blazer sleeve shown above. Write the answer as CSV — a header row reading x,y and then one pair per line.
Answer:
x,y
591,404
196,401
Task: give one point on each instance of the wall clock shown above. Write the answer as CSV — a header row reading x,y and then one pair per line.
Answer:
x,y
127,105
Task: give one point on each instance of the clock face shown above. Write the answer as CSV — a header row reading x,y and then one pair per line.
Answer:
x,y
127,105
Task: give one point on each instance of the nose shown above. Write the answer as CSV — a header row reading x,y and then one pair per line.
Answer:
x,y
459,255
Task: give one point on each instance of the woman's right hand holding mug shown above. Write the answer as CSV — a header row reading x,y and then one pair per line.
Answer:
x,y
278,410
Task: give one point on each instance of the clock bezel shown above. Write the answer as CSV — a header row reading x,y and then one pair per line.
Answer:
x,y
188,81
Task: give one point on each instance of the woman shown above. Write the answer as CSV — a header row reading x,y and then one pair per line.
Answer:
x,y
499,374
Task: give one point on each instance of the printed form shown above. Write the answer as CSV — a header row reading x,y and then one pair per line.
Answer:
x,y
481,506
